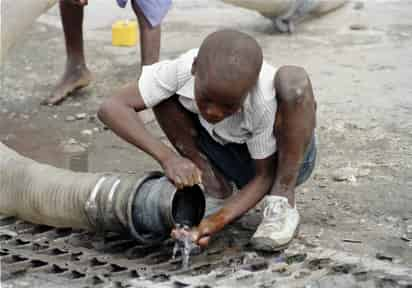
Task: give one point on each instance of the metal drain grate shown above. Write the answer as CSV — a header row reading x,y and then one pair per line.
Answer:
x,y
82,259
42,256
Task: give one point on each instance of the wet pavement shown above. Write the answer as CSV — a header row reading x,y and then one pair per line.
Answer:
x,y
358,201
41,256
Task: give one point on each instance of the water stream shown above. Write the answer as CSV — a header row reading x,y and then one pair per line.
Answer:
x,y
184,244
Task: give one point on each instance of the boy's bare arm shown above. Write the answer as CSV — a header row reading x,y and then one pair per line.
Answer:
x,y
119,114
239,203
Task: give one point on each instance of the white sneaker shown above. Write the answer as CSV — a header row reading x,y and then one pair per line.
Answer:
x,y
278,227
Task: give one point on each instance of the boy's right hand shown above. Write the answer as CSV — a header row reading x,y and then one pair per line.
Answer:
x,y
182,172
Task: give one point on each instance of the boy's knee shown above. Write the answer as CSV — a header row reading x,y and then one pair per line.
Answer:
x,y
292,83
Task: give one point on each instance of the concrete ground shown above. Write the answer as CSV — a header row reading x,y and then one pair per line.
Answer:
x,y
359,199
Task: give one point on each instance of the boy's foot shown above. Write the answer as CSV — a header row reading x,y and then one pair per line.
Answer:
x,y
278,227
73,79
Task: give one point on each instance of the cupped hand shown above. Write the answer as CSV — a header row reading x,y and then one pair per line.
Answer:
x,y
182,172
201,234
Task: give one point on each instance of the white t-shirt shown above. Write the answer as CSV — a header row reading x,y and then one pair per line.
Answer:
x,y
252,125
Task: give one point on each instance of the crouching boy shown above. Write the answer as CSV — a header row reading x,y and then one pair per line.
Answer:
x,y
235,120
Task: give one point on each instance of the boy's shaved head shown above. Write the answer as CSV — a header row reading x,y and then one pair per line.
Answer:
x,y
229,56
227,66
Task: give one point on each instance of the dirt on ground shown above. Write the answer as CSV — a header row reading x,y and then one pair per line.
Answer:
x,y
357,202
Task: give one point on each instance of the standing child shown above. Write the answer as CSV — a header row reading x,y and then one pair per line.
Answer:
x,y
149,14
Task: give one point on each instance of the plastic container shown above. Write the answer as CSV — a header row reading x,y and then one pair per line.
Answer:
x,y
124,33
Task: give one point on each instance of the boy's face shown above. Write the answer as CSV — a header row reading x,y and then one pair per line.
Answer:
x,y
213,102
217,101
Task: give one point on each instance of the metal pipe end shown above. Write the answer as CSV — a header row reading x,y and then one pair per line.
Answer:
x,y
188,206
156,206
131,207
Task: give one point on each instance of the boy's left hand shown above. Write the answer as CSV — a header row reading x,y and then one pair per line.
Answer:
x,y
202,234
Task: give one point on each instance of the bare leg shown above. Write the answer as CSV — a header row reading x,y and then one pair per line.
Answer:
x,y
182,133
76,75
294,125
150,38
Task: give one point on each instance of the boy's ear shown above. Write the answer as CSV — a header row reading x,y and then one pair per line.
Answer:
x,y
193,70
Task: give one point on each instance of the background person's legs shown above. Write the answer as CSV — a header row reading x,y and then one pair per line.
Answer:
x,y
149,38
76,74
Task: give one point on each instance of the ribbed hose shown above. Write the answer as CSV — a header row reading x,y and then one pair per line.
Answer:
x,y
278,8
286,13
267,8
146,207
44,194
323,7
17,17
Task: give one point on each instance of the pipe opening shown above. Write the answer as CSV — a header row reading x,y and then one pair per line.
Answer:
x,y
157,207
188,206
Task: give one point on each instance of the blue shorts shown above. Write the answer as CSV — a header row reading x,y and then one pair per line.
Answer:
x,y
153,10
235,163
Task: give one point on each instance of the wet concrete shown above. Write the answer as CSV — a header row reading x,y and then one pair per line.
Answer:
x,y
362,84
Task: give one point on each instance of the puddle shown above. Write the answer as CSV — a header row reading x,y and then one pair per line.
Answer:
x,y
44,145
77,156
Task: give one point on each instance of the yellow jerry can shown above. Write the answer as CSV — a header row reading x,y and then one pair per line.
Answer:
x,y
124,33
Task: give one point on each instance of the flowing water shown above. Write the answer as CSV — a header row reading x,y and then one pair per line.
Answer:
x,y
184,244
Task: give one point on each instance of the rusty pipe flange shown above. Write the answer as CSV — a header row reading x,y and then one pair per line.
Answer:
x,y
100,205
91,206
